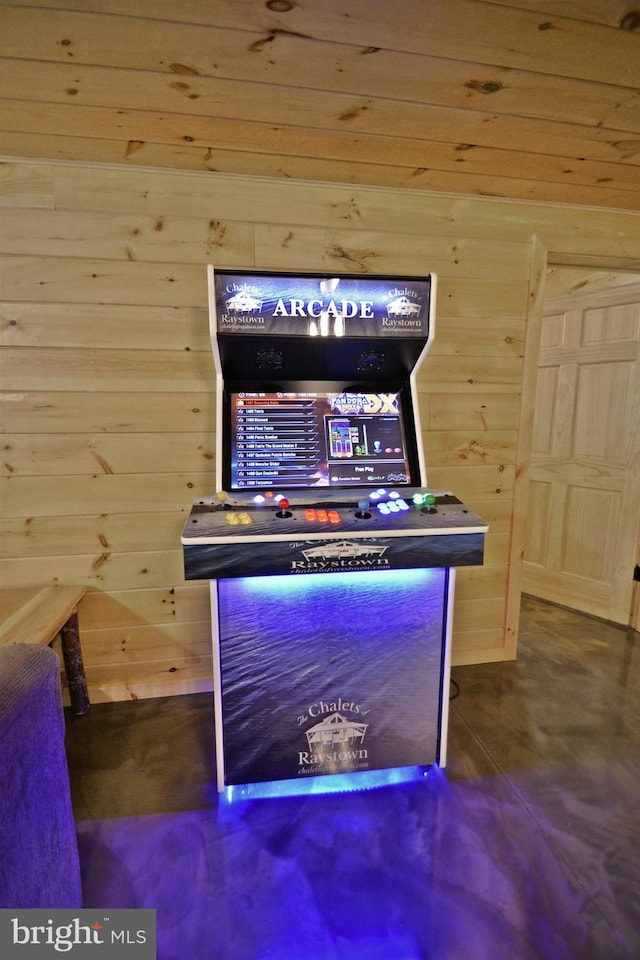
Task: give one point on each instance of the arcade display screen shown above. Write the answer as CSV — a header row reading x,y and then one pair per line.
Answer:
x,y
326,438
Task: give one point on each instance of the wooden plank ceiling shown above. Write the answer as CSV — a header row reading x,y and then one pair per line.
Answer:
x,y
535,100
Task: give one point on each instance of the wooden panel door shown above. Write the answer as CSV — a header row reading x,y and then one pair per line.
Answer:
x,y
583,519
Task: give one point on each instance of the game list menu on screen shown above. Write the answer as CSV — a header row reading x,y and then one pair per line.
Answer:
x,y
281,440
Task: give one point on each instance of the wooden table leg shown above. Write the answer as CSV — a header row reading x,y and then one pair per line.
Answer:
x,y
73,665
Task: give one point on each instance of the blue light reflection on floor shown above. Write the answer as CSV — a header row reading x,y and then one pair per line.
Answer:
x,y
335,783
364,948
354,827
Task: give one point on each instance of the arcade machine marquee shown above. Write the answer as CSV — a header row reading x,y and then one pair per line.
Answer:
x,y
331,562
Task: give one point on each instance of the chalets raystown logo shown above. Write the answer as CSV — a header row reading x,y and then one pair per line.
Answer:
x,y
403,306
244,301
241,307
340,555
335,743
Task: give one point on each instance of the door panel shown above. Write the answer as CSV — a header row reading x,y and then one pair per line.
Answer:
x,y
584,508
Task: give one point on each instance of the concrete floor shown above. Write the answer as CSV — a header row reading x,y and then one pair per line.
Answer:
x,y
525,848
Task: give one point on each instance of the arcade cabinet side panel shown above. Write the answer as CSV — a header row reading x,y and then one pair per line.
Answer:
x,y
331,673
217,685
213,324
446,667
413,384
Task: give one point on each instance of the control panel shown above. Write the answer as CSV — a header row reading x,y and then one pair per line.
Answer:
x,y
331,514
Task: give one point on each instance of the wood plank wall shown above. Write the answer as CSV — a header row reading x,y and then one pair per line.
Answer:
x,y
108,383
528,99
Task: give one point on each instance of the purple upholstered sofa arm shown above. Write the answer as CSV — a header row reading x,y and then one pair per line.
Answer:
x,y
39,862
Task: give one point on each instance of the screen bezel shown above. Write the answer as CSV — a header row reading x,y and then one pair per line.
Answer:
x,y
407,421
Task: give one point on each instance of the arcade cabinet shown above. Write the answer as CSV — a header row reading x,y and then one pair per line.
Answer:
x,y
331,562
